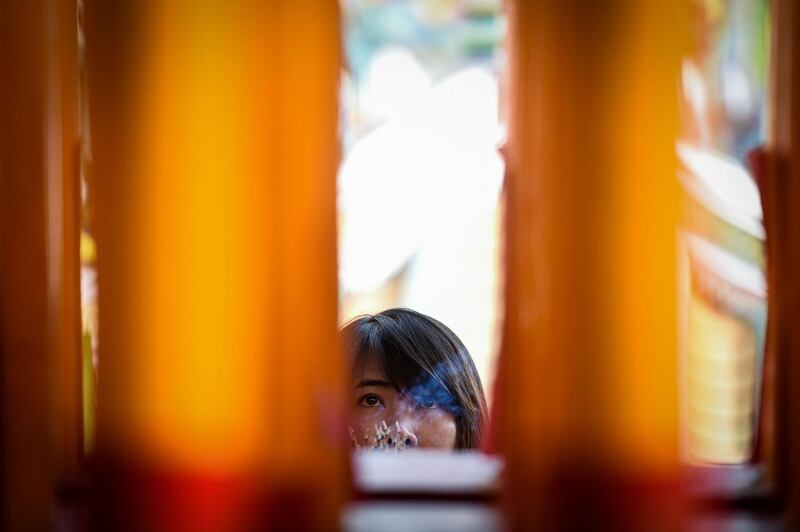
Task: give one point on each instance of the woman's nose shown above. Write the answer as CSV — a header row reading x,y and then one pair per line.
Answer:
x,y
406,436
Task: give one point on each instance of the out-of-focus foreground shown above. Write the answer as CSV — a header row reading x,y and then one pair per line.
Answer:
x,y
601,199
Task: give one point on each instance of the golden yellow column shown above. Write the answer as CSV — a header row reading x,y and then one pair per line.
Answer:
x,y
587,402
215,150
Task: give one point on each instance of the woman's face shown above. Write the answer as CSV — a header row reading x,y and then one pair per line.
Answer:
x,y
411,422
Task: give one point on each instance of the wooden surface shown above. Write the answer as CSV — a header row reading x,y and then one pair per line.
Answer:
x,y
40,318
782,221
27,471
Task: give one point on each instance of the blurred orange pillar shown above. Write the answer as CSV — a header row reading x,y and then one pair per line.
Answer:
x,y
214,141
781,198
587,391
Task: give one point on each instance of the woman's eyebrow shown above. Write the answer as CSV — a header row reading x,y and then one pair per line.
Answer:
x,y
374,382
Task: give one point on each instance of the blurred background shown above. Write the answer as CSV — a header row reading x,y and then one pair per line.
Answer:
x,y
723,289
421,175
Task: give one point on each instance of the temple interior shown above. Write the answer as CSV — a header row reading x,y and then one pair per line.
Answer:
x,y
578,221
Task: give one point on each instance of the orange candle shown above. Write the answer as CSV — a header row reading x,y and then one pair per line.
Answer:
x,y
214,129
587,388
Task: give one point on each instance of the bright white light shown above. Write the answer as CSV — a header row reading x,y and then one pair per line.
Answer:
x,y
723,185
736,93
726,177
736,271
694,90
694,87
434,167
394,82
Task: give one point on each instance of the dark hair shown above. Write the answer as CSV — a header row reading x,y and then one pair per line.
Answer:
x,y
426,360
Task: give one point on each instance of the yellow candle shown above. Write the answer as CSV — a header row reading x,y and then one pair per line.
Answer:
x,y
587,387
214,130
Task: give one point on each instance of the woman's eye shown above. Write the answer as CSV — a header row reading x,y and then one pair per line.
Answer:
x,y
370,401
427,403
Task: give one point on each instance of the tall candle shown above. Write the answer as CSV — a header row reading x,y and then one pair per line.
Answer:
x,y
214,130
587,388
